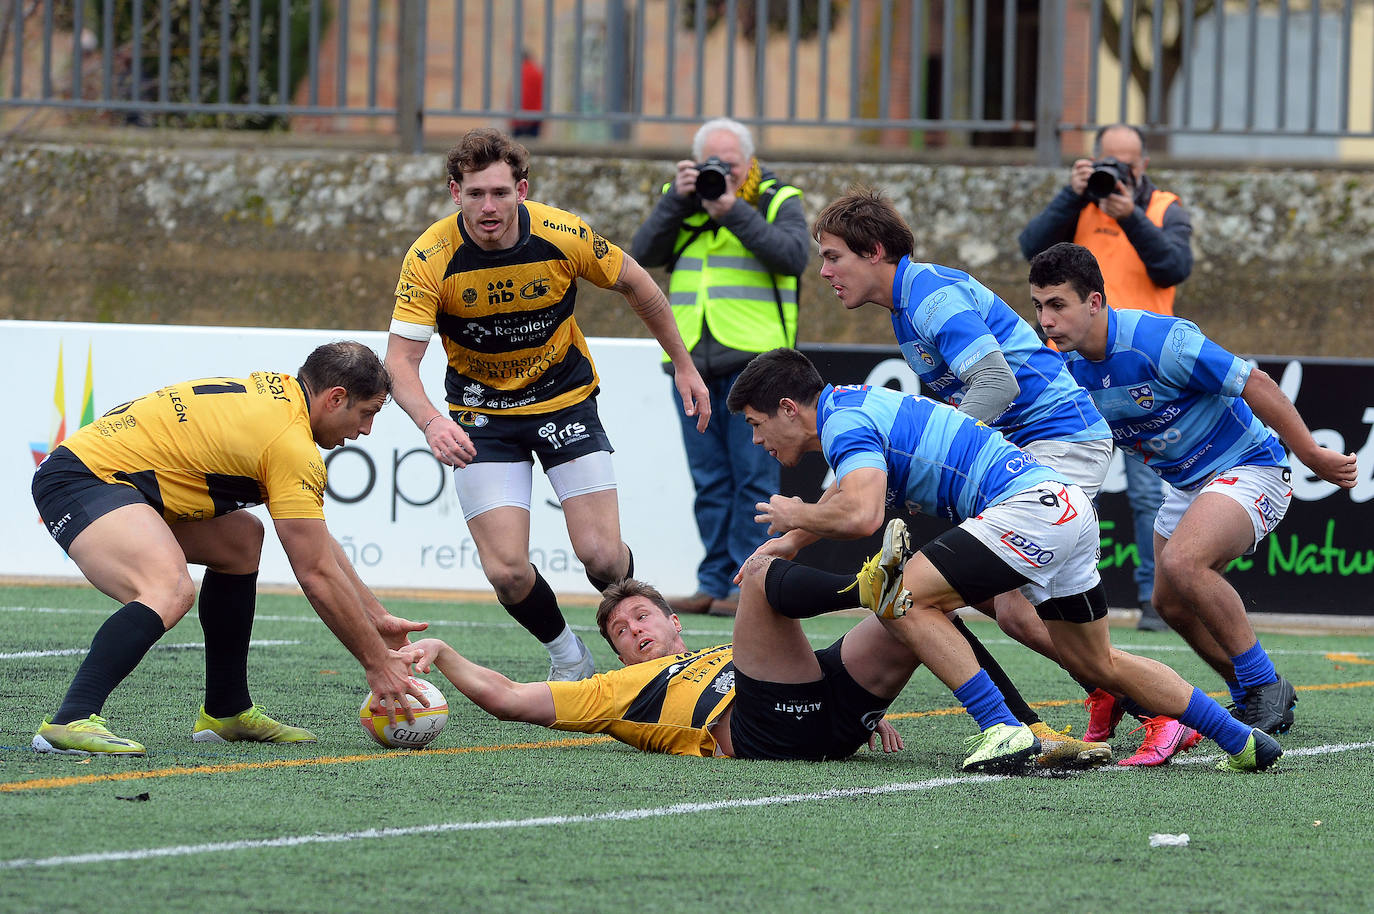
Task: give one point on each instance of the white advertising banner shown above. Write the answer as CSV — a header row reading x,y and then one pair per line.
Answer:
x,y
389,503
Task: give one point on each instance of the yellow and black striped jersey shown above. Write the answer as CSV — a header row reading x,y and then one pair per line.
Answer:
x,y
664,705
506,317
204,448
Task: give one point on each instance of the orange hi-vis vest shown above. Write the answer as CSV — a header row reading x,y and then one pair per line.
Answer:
x,y
1123,273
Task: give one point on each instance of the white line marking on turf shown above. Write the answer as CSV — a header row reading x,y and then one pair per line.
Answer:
x,y
1287,753
178,646
697,632
622,815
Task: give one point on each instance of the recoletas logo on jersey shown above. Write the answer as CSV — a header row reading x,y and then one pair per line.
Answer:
x,y
1143,396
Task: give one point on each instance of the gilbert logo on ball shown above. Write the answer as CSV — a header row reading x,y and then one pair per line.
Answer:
x,y
403,734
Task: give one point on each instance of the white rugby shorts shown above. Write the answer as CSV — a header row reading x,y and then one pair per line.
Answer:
x,y
1264,492
1047,533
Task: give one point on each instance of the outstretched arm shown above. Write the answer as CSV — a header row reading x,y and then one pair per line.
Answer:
x,y
393,629
315,558
1275,410
502,698
648,301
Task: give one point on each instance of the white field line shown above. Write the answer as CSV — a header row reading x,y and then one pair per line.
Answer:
x,y
623,815
176,646
690,632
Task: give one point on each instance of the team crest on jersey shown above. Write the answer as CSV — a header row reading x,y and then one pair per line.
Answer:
x,y
599,246
1143,396
469,419
469,296
925,356
472,394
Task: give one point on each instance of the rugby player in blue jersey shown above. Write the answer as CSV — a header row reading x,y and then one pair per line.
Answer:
x,y
1211,426
1020,526
970,349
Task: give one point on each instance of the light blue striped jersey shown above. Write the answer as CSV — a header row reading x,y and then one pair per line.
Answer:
x,y
1172,398
938,460
946,320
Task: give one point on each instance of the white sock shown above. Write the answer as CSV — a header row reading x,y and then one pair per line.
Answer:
x,y
565,650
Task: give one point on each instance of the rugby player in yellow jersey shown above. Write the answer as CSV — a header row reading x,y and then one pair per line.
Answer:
x,y
767,695
498,282
156,483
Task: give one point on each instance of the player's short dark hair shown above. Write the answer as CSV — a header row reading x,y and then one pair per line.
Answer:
x,y
863,219
771,376
620,591
483,147
1071,264
347,364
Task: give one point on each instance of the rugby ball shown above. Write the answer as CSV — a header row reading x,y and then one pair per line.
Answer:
x,y
403,734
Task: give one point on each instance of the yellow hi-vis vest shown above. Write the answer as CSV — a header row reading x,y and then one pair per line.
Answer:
x,y
717,279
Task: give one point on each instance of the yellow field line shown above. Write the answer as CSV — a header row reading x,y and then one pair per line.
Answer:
x,y
41,783
566,743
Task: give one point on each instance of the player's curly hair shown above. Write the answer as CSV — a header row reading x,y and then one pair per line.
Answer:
x,y
347,364
622,590
484,147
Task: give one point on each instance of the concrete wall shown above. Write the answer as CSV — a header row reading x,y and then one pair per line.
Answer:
x,y
279,235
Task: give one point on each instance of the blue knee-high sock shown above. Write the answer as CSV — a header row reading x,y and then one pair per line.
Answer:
x,y
1253,668
1211,720
1237,692
981,699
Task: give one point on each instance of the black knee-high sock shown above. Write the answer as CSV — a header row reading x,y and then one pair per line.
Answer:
x,y
800,592
538,612
227,602
629,573
1015,703
117,648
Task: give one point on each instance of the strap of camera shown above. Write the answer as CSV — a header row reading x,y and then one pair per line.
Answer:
x,y
692,236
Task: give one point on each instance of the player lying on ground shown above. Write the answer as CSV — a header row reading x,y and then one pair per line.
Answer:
x,y
767,695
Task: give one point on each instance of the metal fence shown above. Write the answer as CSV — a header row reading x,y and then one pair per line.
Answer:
x,y
1211,78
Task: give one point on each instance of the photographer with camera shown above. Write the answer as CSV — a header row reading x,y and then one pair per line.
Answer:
x,y
1141,237
734,241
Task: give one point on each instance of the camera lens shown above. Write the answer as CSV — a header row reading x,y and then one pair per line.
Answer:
x,y
711,178
1101,183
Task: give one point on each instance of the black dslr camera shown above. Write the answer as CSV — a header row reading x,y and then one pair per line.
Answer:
x,y
1106,172
712,176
